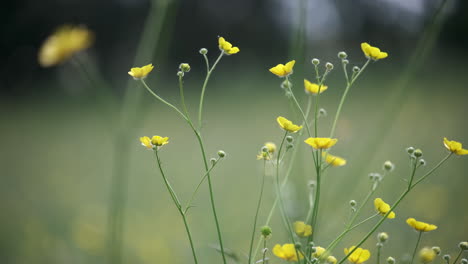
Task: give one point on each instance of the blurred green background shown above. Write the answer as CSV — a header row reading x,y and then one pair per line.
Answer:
x,y
60,136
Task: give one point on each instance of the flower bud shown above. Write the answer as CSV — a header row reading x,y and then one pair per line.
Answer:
x,y
345,62
342,55
315,61
436,250
289,146
264,149
286,84
422,162
311,184
311,244
185,67
322,112
383,237
203,51
352,203
329,66
417,153
446,257
180,74
264,251
356,69
289,139
410,150
379,245
266,231
426,255
221,154
464,261
213,161
390,260
388,165
298,245
313,250
463,245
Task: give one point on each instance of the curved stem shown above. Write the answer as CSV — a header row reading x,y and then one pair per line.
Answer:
x,y
300,108
458,256
256,213
416,247
202,96
163,101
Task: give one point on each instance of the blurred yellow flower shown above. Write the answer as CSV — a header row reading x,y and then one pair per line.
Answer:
x,y
333,160
63,43
287,125
331,260
159,141
420,226
373,52
455,147
141,72
302,229
286,252
427,255
383,208
321,143
313,88
281,70
318,252
270,146
227,47
359,255
146,141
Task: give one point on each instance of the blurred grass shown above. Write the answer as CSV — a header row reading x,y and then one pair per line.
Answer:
x,y
56,160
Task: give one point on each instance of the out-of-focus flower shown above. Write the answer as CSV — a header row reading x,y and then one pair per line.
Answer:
x,y
141,72
334,160
287,125
146,142
321,143
427,255
302,229
286,252
383,208
420,226
455,147
318,252
359,255
227,47
63,43
281,70
313,88
373,52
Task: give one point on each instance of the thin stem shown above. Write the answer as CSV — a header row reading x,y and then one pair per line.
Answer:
x,y
343,97
458,256
378,254
299,107
351,222
264,250
162,100
202,96
346,73
256,212
416,247
182,96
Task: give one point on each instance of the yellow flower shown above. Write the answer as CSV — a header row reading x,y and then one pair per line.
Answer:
x,y
427,255
420,226
383,208
281,70
227,47
159,141
318,252
331,260
313,88
302,229
287,125
141,72
63,43
270,146
146,141
373,52
321,143
455,147
333,160
286,252
359,255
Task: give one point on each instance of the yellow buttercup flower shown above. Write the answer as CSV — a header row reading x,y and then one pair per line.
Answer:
x,y
146,141
383,208
271,147
359,255
227,47
141,72
373,52
281,70
427,255
420,226
302,229
159,141
314,88
62,44
331,260
287,125
455,147
286,252
321,143
333,160
318,252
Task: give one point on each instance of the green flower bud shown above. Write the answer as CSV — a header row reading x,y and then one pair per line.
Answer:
x,y
315,61
417,153
264,149
388,166
446,257
463,245
410,150
464,261
298,245
383,237
322,112
313,250
356,69
180,74
379,245
436,250
311,244
203,51
345,62
422,162
286,84
329,66
390,260
342,55
221,154
185,67
352,203
289,139
213,161
266,231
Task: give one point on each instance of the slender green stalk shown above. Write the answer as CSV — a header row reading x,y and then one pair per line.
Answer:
x,y
458,256
182,96
256,212
378,254
202,96
416,247
402,196
264,250
162,100
304,117
177,203
343,97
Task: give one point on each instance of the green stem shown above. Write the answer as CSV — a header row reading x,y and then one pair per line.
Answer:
x,y
403,195
343,97
202,96
182,96
176,201
163,101
416,247
378,254
304,117
256,213
458,256
264,250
